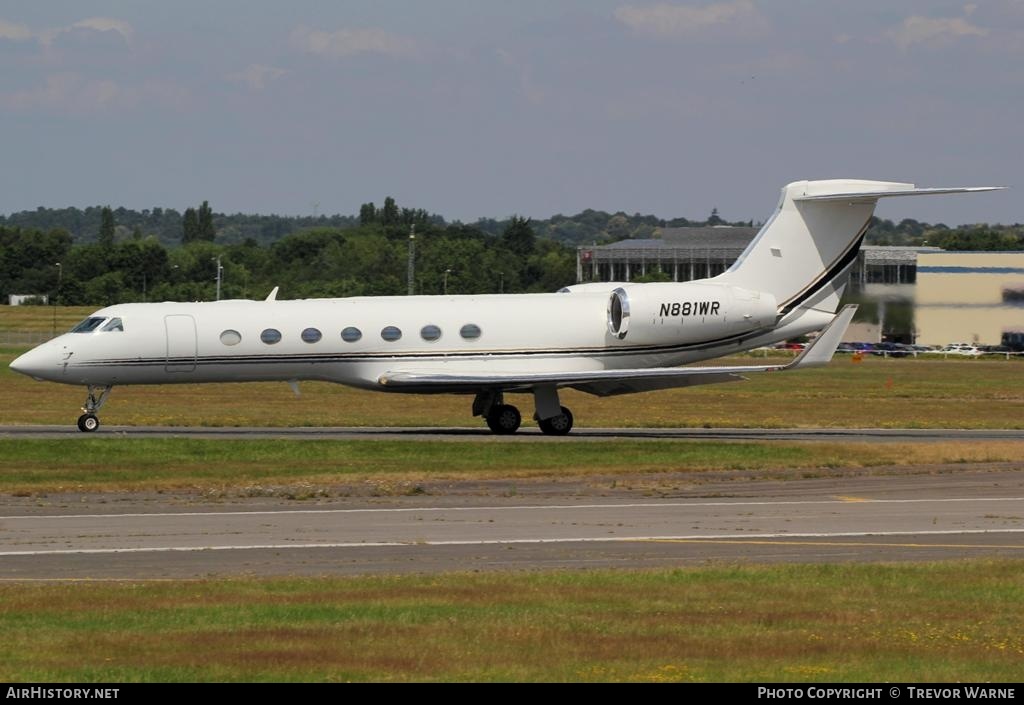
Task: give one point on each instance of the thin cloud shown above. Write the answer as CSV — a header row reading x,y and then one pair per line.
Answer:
x,y
933,31
106,24
668,21
66,92
16,32
256,76
96,24
531,91
350,42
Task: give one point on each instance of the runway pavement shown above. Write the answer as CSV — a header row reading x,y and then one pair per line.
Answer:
x,y
525,435
920,517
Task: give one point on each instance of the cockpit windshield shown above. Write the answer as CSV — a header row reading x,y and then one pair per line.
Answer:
x,y
114,324
89,324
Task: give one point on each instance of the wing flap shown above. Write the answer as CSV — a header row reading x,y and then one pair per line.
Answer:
x,y
612,382
616,387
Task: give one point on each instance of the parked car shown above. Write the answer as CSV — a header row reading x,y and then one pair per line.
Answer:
x,y
891,350
965,349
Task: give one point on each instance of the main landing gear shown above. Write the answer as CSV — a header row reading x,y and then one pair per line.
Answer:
x,y
505,419
89,422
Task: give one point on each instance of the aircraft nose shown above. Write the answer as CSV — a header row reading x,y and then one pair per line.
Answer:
x,y
37,362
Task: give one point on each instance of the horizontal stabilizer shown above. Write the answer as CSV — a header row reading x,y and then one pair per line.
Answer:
x,y
852,196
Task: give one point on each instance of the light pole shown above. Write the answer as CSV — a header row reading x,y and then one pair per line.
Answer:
x,y
411,267
220,269
446,273
56,295
501,284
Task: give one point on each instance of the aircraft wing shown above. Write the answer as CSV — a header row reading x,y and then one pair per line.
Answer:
x,y
613,382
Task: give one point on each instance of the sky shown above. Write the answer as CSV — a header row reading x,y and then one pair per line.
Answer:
x,y
488,108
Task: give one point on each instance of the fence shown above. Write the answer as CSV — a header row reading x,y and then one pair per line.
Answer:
x,y
19,338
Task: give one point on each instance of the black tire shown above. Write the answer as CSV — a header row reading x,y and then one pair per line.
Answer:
x,y
87,423
557,425
504,419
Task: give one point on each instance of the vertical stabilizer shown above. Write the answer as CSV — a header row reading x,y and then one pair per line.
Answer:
x,y
804,253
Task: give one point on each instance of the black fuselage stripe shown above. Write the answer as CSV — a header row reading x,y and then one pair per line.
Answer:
x,y
840,264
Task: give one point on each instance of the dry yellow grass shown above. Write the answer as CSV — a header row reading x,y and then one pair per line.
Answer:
x,y
312,468
41,318
876,393
922,393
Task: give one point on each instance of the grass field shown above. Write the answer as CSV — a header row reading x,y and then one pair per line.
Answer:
x,y
908,393
311,467
958,621
877,392
25,319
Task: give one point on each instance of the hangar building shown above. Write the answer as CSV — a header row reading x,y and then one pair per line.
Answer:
x,y
925,282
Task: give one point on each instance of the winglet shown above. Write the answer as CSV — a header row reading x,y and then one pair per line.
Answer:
x,y
272,296
820,352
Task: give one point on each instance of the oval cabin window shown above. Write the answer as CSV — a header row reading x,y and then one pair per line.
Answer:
x,y
391,334
271,336
430,333
311,335
231,337
470,331
351,334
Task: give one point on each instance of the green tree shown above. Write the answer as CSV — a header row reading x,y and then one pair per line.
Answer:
x,y
205,222
106,236
367,214
519,236
189,227
389,213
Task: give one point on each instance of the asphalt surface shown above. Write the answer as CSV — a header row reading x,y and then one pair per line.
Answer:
x,y
969,513
525,434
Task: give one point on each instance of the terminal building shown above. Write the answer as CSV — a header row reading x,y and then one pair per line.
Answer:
x,y
970,297
907,294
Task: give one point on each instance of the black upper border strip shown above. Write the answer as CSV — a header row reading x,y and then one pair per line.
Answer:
x,y
825,279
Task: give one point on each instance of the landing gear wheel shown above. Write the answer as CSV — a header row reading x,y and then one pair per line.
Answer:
x,y
557,425
88,423
504,419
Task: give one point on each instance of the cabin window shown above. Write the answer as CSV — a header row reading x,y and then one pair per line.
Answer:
x,y
271,336
470,331
89,324
114,324
430,332
391,334
311,335
351,334
231,337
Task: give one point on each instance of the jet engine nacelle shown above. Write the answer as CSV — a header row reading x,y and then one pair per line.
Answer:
x,y
687,312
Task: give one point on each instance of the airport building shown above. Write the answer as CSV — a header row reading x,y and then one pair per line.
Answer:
x,y
685,254
970,297
913,294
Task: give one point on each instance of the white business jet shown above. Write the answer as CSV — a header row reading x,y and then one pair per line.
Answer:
x,y
605,339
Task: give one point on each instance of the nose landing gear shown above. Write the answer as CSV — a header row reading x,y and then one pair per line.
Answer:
x,y
89,422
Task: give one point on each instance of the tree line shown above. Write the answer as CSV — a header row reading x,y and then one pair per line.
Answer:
x,y
159,254
365,258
